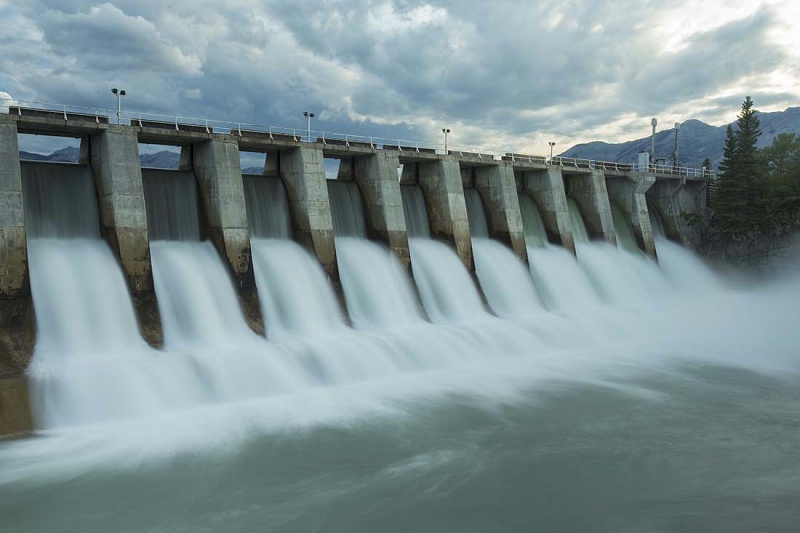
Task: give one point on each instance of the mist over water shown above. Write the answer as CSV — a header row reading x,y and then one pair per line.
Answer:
x,y
597,393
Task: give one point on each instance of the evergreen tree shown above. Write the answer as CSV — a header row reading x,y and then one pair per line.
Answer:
x,y
740,203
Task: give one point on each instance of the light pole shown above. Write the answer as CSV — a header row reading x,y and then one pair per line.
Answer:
x,y
675,155
119,93
308,116
552,144
653,123
445,131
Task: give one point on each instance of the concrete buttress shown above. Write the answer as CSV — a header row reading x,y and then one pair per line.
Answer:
x,y
440,182
498,191
123,218
546,187
302,170
588,189
628,193
219,176
376,176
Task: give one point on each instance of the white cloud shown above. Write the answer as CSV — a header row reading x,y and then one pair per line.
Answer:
x,y
507,73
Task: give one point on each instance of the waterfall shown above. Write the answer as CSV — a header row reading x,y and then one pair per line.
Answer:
x,y
415,212
171,202
446,288
346,206
532,224
623,230
267,207
559,281
478,226
505,281
378,291
621,278
90,363
655,223
296,297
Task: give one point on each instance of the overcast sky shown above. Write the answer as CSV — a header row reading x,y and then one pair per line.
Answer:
x,y
505,74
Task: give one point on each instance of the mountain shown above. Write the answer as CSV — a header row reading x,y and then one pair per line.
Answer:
x,y
70,154
162,159
697,141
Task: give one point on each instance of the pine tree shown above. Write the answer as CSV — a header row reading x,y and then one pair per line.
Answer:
x,y
740,203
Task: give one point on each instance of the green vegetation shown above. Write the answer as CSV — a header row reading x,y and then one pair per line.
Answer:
x,y
758,191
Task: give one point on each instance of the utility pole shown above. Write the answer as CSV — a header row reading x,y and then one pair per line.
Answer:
x,y
308,116
675,153
119,93
653,123
445,131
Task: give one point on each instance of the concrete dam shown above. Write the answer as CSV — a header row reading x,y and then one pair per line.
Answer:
x,y
105,266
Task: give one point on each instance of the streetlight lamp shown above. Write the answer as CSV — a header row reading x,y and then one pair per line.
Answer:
x,y
653,122
445,131
308,116
552,144
675,155
119,93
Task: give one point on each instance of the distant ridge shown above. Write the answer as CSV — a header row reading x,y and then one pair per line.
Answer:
x,y
697,141
70,154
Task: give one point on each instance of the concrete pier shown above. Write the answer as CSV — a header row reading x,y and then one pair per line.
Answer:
x,y
546,188
17,328
588,189
376,176
440,181
219,175
302,170
680,204
123,218
498,191
628,192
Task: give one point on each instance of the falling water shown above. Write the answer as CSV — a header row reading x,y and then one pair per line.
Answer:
x,y
478,227
469,423
345,199
267,207
89,356
171,203
415,212
532,224
505,281
623,230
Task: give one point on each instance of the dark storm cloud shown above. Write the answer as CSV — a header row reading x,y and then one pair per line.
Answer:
x,y
497,72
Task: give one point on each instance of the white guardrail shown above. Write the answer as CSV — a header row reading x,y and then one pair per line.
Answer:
x,y
8,105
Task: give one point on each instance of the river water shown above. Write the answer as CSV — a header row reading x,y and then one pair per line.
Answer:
x,y
610,393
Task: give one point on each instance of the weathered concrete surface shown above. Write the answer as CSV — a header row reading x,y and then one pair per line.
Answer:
x,y
17,324
219,176
440,181
498,190
588,189
15,408
303,172
13,251
376,176
546,187
678,201
629,194
123,218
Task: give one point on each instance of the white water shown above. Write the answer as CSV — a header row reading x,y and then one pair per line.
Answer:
x,y
295,294
378,293
445,287
195,295
505,281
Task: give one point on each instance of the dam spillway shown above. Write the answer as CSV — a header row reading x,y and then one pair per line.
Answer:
x,y
206,256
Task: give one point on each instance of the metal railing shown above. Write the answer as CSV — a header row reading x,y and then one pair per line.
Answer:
x,y
240,129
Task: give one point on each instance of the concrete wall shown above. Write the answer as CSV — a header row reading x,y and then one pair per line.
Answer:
x,y
123,218
629,194
15,409
498,191
440,182
219,175
13,251
376,176
546,187
303,172
677,201
588,189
